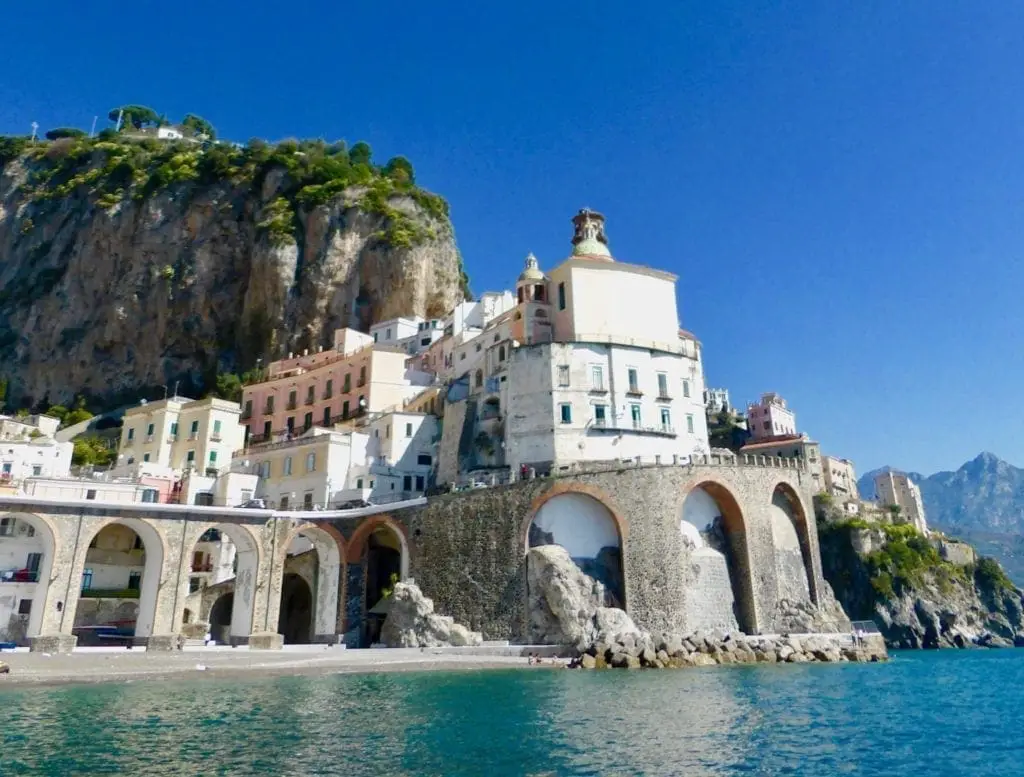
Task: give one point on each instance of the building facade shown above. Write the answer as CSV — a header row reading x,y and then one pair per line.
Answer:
x,y
897,489
792,446
840,479
770,417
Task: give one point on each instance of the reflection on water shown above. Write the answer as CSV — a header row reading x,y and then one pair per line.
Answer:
x,y
953,713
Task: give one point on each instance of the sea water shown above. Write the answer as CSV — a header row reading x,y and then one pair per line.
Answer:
x,y
939,713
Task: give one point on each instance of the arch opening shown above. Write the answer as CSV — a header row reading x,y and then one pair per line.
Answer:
x,y
720,592
220,618
383,570
119,584
587,529
792,547
27,548
315,556
224,559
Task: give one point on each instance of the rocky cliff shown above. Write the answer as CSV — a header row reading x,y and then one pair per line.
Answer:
x,y
896,577
127,264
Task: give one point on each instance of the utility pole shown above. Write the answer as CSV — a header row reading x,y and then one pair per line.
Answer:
x,y
35,128
92,132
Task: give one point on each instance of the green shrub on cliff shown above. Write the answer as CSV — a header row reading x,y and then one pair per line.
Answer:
x,y
989,575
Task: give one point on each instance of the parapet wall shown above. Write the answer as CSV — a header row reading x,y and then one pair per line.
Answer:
x,y
467,550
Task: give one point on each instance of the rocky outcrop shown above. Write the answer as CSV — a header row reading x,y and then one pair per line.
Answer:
x,y
931,602
565,609
412,622
111,297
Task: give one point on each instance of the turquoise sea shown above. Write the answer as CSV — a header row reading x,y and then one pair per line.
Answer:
x,y
940,713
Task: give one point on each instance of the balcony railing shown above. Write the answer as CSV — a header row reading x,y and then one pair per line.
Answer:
x,y
310,400
19,576
215,437
207,567
246,414
268,410
292,404
633,426
149,438
172,438
328,393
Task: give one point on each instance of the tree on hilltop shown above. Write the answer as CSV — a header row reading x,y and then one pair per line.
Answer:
x,y
65,132
399,169
199,126
138,116
360,154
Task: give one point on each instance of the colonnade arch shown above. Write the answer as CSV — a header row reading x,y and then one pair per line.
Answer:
x,y
378,556
310,607
28,547
793,548
714,532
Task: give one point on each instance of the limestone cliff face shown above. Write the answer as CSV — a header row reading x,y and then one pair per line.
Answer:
x,y
110,298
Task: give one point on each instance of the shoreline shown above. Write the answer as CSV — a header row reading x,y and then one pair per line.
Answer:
x,y
28,670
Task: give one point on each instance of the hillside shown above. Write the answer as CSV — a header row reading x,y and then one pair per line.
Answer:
x,y
127,262
982,502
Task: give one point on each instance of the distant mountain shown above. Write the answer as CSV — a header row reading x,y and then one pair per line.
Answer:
x,y
982,503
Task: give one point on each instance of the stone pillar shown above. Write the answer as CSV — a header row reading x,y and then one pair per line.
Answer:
x,y
164,643
265,640
53,643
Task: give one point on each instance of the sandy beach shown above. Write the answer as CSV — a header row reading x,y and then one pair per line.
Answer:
x,y
94,665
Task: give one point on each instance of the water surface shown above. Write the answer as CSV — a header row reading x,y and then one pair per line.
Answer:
x,y
949,713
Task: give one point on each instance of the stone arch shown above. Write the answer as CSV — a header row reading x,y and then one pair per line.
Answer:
x,y
791,542
154,552
377,553
579,519
296,618
327,583
221,614
720,579
243,565
42,590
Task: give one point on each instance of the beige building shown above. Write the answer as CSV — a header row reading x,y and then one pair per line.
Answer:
x,y
792,446
182,434
896,488
839,477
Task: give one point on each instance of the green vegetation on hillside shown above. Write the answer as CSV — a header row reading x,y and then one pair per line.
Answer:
x,y
92,449
116,167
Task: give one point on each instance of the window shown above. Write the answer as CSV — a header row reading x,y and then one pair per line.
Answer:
x,y
346,385
311,462
600,415
566,413
25,607
86,578
266,430
7,527
375,336
194,584
424,460
767,425
90,494
246,414
407,483
33,562
264,469
270,404
131,459
283,503
174,425
311,395
388,335
561,296
634,383
371,482
563,375
686,388
131,433
689,424
362,375
307,421
478,347
359,482
290,423
145,457
307,500
387,432
149,430
150,495
213,457
329,389
327,416
408,430
344,410
666,418
634,412
216,427
597,378
662,384
501,353
37,469
190,457
419,482
194,431
478,379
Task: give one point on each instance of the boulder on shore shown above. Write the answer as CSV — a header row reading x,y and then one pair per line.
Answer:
x,y
412,622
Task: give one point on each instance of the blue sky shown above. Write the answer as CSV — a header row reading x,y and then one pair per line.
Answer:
x,y
839,186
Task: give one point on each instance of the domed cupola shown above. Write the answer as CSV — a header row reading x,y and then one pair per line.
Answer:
x,y
589,240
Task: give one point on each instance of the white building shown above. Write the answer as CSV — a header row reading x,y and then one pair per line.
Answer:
x,y
21,565
570,374
13,428
21,459
840,478
716,400
897,489
401,455
770,417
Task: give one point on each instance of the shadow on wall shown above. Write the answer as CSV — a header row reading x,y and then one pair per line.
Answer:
x,y
585,528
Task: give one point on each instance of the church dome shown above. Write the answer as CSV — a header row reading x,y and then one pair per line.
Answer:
x,y
531,273
589,240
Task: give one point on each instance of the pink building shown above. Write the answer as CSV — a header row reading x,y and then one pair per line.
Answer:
x,y
770,417
328,387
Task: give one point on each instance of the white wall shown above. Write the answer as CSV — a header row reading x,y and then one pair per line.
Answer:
x,y
580,524
20,460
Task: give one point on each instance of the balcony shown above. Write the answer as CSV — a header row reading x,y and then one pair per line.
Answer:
x,y
663,397
310,400
631,427
268,410
634,391
328,393
292,404
149,439
129,442
207,567
172,438
215,437
193,435
246,414
19,576
599,389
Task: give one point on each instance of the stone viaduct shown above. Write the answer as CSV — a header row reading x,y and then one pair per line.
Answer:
x,y
757,554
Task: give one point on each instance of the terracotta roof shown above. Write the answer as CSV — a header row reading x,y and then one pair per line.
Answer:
x,y
780,439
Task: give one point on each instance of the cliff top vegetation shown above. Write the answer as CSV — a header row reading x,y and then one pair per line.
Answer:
x,y
117,165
